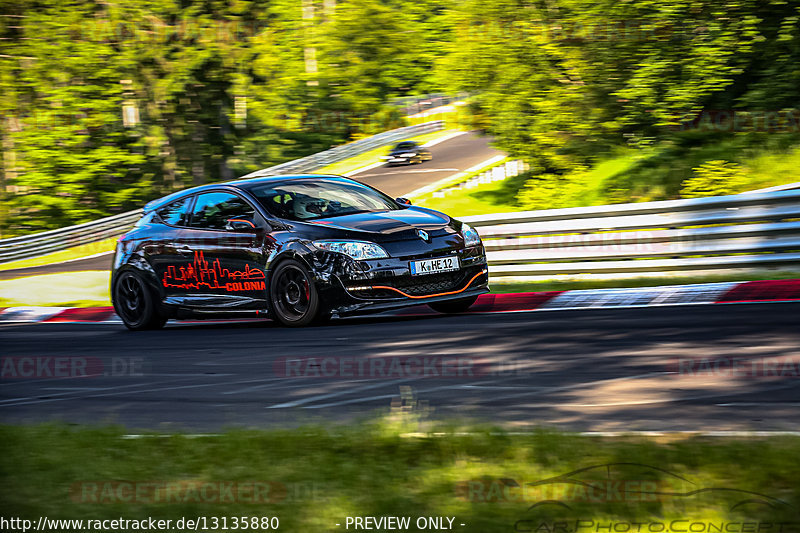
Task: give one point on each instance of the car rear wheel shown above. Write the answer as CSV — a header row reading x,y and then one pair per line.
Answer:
x,y
134,303
453,306
293,295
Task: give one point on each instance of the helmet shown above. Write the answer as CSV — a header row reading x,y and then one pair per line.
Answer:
x,y
308,207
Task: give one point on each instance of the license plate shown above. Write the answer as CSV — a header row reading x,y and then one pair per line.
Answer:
x,y
433,266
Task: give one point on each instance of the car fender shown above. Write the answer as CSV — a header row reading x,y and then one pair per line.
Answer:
x,y
322,265
138,264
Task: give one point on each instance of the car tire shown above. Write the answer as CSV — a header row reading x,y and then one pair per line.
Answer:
x,y
294,300
134,303
453,306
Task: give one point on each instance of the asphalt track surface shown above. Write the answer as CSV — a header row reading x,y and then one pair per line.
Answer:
x,y
449,157
589,370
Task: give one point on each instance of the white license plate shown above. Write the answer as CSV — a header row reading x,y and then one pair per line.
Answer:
x,y
433,266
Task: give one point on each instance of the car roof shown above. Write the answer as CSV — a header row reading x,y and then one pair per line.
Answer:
x,y
242,184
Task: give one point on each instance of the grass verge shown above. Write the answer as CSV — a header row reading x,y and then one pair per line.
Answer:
x,y
496,197
77,252
313,478
69,289
629,175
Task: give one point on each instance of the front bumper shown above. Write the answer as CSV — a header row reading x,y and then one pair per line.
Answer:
x,y
392,160
383,284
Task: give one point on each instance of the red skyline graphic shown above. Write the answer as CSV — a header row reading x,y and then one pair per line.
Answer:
x,y
198,274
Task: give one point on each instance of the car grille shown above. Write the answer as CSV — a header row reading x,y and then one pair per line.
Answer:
x,y
429,284
416,285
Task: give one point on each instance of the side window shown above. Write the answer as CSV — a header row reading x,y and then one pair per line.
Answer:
x,y
175,213
212,210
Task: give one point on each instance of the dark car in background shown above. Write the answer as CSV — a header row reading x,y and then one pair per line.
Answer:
x,y
407,153
295,248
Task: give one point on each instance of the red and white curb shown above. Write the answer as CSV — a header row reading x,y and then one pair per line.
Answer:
x,y
59,314
704,293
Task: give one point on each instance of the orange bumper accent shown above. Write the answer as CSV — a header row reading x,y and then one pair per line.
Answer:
x,y
476,276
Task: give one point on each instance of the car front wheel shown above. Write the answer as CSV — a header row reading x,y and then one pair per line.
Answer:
x,y
134,303
293,295
453,306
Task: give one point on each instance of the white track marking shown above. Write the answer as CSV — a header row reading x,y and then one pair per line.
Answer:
x,y
381,396
310,399
537,391
758,404
268,383
23,401
363,169
438,184
422,170
457,386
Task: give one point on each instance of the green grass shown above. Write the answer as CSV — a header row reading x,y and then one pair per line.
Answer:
x,y
318,476
497,197
78,289
77,252
656,173
373,156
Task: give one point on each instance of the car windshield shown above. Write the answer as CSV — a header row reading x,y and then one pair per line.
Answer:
x,y
405,146
309,200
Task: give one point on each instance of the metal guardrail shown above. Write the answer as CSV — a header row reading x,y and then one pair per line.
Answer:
x,y
750,231
26,246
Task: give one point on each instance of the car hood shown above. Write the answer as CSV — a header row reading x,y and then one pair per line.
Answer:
x,y
399,223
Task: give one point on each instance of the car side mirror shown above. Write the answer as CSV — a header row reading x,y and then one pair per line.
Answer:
x,y
240,225
403,201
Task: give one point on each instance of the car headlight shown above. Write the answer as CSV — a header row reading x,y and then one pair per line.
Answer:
x,y
359,251
471,237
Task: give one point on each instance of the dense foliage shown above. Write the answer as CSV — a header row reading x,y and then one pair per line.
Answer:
x,y
564,83
105,105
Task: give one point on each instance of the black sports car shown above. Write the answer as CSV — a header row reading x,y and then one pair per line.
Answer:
x,y
295,248
407,153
